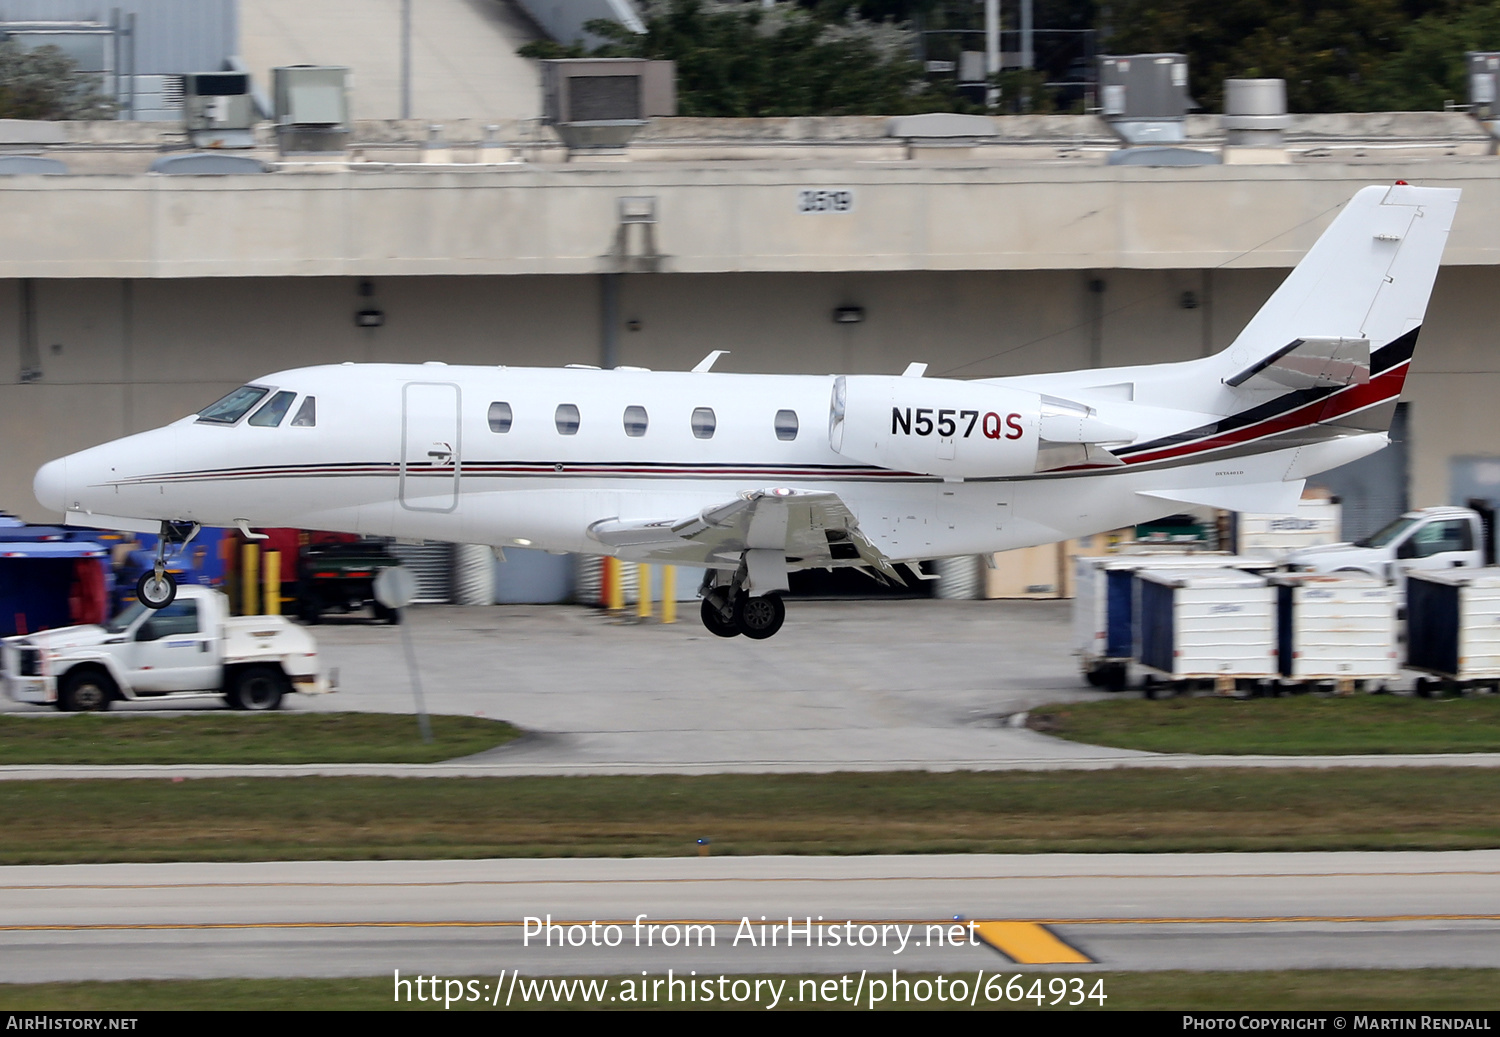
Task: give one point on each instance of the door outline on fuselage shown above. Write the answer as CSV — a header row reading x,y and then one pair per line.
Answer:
x,y
424,433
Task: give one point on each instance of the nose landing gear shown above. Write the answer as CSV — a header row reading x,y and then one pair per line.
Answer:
x,y
157,588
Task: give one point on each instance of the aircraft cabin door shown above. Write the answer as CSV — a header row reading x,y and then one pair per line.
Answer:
x,y
430,447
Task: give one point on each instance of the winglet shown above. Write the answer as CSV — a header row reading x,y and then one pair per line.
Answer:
x,y
914,371
707,362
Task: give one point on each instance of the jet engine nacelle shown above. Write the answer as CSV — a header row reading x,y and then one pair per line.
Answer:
x,y
935,426
964,430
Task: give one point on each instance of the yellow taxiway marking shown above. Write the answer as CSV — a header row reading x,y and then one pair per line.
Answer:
x,y
1027,943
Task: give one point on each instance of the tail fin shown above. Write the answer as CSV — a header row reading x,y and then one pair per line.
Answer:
x,y
1361,289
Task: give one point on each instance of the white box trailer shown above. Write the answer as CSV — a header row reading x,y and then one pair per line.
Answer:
x,y
1205,624
1453,625
1336,626
1104,606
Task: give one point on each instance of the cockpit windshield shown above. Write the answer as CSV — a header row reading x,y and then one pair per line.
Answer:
x,y
234,406
271,414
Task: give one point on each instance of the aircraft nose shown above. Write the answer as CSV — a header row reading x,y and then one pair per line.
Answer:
x,y
51,485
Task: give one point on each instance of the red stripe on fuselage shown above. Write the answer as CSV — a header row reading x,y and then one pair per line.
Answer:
x,y
1385,386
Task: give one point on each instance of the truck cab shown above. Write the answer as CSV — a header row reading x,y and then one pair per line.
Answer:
x,y
190,648
1431,538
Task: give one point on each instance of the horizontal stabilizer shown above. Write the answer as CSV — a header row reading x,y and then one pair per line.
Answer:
x,y
1267,498
1310,363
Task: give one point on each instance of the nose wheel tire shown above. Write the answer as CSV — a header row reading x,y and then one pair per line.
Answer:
x,y
715,622
760,617
155,592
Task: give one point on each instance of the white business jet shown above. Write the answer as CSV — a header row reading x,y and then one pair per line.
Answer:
x,y
753,476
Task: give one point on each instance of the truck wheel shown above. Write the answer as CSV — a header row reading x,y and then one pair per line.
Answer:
x,y
310,609
257,688
386,614
85,691
1115,677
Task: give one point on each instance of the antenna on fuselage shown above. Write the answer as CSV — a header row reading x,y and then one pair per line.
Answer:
x,y
709,361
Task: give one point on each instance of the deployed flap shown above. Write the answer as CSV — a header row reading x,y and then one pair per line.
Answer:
x,y
1268,498
1310,363
810,528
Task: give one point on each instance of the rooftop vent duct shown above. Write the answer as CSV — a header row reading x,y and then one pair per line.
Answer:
x,y
596,105
1255,121
1255,112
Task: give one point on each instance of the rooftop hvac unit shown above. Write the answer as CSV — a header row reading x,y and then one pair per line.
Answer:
x,y
217,110
598,104
1145,96
312,108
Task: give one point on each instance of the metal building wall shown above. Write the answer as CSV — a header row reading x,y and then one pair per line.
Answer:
x,y
171,36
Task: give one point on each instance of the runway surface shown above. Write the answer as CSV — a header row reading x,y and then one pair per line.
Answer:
x,y
863,685
468,918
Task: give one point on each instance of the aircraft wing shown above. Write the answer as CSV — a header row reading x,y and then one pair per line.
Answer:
x,y
811,529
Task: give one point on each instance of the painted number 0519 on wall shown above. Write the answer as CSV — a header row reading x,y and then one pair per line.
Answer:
x,y
948,421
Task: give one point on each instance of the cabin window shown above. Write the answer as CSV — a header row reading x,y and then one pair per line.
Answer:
x,y
307,414
567,419
786,425
704,422
270,415
234,406
500,417
635,422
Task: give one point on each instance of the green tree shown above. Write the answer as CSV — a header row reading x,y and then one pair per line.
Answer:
x,y
745,61
1429,69
45,84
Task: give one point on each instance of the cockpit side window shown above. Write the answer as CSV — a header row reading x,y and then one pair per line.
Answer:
x,y
234,406
270,415
307,414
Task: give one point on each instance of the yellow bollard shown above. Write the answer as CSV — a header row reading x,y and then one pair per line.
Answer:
x,y
643,599
614,585
273,583
669,594
249,567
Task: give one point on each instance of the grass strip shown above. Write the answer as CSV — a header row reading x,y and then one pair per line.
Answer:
x,y
229,737
1295,725
1353,990
246,819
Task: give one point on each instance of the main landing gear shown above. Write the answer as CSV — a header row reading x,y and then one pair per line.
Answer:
x,y
729,610
157,588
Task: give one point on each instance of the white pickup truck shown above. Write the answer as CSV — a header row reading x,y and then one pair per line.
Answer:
x,y
190,648
1432,538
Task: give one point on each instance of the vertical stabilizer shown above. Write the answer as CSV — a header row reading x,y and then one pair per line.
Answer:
x,y
1368,277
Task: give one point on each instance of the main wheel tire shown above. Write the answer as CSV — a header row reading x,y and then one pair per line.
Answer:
x,y
715,622
760,617
258,688
154,592
85,691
